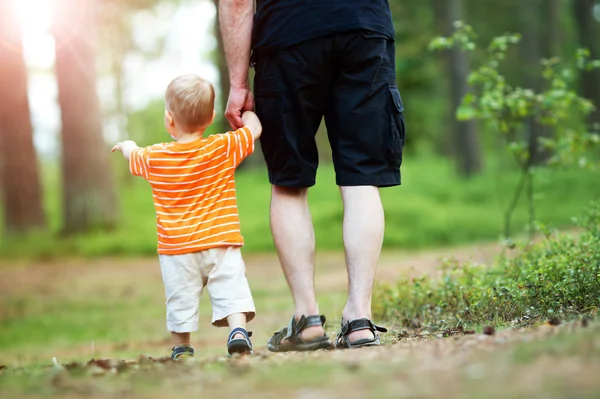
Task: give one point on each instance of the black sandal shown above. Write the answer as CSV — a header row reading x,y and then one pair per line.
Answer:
x,y
294,342
239,345
342,340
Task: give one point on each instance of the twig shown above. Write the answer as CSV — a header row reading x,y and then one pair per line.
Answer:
x,y
513,203
531,205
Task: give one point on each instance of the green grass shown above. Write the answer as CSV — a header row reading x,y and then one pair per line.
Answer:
x,y
432,208
556,278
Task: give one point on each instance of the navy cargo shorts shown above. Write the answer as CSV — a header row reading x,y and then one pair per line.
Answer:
x,y
347,78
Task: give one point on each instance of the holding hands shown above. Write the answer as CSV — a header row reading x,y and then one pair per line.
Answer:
x,y
240,100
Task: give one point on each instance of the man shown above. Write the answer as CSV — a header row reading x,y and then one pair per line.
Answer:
x,y
313,59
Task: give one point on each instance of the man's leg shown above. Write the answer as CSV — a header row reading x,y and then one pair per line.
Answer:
x,y
292,88
366,131
294,237
363,236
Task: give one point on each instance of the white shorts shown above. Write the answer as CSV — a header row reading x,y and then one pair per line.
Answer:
x,y
221,271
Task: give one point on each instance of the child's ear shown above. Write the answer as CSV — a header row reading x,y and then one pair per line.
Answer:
x,y
213,117
169,118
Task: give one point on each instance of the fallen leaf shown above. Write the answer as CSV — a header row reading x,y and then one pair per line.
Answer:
x,y
489,330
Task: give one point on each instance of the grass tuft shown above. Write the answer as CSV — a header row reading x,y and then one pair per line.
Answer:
x,y
555,279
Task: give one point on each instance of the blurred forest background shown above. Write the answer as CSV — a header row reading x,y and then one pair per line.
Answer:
x,y
77,75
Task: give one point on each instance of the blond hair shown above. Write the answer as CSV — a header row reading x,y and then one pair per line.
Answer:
x,y
191,101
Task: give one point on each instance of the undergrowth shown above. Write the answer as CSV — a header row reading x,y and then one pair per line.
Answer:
x,y
556,278
432,208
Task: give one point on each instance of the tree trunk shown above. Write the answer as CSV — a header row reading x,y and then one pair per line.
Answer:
x,y
89,198
554,30
443,143
223,72
466,140
532,55
588,31
21,189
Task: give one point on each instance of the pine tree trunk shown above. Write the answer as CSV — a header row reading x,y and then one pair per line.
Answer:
x,y
588,31
20,182
466,140
532,55
89,198
555,30
443,142
223,72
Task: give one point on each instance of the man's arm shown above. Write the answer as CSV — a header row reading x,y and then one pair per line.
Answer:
x,y
236,18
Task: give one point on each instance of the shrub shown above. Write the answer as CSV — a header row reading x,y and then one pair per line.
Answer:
x,y
510,110
557,277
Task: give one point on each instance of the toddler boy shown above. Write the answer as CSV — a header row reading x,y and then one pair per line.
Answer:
x,y
199,239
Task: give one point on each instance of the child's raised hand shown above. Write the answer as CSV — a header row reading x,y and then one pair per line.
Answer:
x,y
117,147
125,147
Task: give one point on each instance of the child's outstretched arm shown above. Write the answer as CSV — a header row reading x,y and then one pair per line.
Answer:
x,y
126,147
251,121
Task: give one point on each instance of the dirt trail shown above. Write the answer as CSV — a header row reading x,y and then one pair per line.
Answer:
x,y
130,279
422,366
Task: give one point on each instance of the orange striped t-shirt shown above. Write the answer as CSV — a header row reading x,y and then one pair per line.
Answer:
x,y
194,190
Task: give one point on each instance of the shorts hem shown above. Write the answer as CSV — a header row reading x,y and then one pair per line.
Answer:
x,y
182,328
390,179
291,183
220,319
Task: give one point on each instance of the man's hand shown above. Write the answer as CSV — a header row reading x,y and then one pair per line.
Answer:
x,y
240,101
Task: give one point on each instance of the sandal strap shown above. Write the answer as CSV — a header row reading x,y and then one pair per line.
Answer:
x,y
361,324
240,330
294,329
180,350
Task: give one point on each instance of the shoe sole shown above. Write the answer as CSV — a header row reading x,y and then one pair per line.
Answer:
x,y
302,347
239,346
358,344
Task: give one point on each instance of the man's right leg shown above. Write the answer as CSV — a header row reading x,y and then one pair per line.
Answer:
x,y
291,90
294,237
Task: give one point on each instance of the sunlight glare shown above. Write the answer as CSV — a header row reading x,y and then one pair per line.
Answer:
x,y
36,19
34,15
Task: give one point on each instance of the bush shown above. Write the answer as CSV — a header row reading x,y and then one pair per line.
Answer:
x,y
558,277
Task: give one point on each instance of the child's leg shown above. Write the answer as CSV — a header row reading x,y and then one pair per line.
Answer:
x,y
181,339
230,295
183,287
228,287
237,320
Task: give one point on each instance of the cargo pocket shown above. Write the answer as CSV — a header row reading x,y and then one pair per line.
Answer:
x,y
397,134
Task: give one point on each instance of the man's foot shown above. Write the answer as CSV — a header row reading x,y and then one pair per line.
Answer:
x,y
358,333
182,352
306,334
239,342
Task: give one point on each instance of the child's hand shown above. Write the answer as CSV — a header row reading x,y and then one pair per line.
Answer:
x,y
117,147
251,121
125,147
